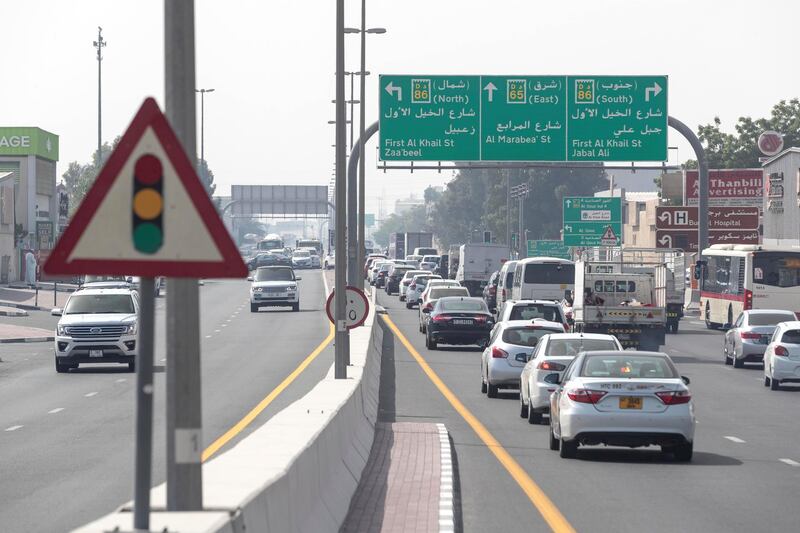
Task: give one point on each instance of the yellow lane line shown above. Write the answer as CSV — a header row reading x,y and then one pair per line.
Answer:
x,y
215,446
536,495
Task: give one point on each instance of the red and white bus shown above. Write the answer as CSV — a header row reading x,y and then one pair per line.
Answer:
x,y
738,277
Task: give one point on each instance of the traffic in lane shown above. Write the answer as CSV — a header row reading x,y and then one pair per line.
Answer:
x,y
55,473
743,447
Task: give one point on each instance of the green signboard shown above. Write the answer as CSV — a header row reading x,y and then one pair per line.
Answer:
x,y
28,141
523,118
369,219
592,221
548,249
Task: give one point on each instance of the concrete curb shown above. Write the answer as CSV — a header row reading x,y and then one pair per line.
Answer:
x,y
446,510
26,339
13,313
24,306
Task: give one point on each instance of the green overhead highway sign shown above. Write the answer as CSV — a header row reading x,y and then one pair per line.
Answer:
x,y
548,249
523,118
592,221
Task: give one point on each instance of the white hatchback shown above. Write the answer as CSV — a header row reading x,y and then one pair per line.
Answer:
x,y
782,356
622,398
552,355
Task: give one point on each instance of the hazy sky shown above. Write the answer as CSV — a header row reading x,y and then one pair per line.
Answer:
x,y
272,64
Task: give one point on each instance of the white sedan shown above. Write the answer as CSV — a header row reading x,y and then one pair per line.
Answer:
x,y
619,398
552,355
782,356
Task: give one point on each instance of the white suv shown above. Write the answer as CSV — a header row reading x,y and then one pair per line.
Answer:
x,y
97,326
274,286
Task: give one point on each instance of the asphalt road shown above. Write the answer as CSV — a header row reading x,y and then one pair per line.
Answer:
x,y
67,440
744,476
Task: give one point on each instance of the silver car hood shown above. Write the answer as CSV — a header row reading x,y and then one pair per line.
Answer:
x,y
272,283
96,319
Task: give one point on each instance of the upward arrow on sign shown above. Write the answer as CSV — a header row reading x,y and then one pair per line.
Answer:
x,y
147,214
490,89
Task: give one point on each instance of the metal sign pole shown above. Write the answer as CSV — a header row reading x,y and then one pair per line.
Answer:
x,y
341,339
144,407
184,413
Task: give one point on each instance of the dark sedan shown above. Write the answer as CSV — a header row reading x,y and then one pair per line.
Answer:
x,y
490,291
261,260
458,320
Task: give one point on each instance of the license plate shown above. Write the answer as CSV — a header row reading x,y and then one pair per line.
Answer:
x,y
630,402
95,353
462,322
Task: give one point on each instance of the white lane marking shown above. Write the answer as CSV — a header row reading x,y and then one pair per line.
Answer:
x,y
697,322
90,394
54,411
121,380
163,359
446,521
789,462
208,336
224,325
13,428
217,330
737,440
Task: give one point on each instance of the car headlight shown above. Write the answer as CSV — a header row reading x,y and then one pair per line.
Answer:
x,y
61,330
292,287
131,329
256,289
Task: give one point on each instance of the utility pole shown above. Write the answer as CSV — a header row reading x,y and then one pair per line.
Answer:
x,y
203,165
341,336
184,412
99,44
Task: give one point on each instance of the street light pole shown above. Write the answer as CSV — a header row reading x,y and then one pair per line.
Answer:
x,y
99,44
341,337
203,166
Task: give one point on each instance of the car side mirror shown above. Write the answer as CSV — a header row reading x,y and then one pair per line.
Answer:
x,y
298,278
249,278
686,380
426,310
552,379
57,311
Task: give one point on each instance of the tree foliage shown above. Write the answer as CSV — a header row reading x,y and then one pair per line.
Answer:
x,y
207,177
414,219
740,149
78,178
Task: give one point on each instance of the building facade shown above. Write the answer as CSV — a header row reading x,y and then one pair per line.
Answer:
x,y
782,199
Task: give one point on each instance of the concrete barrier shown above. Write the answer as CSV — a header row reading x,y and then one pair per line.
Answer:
x,y
297,472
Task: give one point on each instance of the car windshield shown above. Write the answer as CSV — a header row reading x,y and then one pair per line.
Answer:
x,y
92,304
301,253
525,336
423,280
791,336
531,311
274,274
385,267
410,274
628,365
448,291
769,319
460,304
431,259
573,347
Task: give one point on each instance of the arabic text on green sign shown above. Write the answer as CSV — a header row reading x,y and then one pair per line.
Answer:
x,y
587,221
548,249
523,118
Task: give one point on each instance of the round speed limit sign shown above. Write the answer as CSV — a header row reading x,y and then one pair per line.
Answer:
x,y
356,309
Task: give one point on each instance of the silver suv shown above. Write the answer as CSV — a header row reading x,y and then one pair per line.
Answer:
x,y
97,326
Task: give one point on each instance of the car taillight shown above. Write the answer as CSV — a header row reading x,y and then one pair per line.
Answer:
x,y
492,290
441,318
585,395
428,306
782,351
504,294
751,336
498,353
548,365
675,397
748,299
480,319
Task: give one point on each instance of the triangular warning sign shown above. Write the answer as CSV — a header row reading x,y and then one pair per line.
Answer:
x,y
147,214
609,238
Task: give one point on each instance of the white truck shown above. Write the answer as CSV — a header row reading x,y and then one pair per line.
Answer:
x,y
609,299
476,264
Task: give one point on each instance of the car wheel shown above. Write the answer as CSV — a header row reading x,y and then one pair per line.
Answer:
x,y
132,367
774,384
523,407
737,363
409,305
483,343
253,308
491,390
534,417
402,298
729,324
483,384
568,448
62,368
555,444
296,307
683,452
430,343
766,381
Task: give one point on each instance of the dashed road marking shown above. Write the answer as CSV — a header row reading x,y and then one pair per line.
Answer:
x,y
13,428
90,394
54,411
208,336
224,325
737,440
163,359
697,323
217,330
121,380
789,462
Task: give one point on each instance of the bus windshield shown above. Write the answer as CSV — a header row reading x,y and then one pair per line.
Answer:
x,y
270,244
550,273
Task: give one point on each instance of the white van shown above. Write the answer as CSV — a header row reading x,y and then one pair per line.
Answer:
x,y
543,278
505,283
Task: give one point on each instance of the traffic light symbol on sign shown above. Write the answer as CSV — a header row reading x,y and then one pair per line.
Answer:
x,y
148,204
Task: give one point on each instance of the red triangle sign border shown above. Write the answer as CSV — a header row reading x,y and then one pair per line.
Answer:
x,y
148,115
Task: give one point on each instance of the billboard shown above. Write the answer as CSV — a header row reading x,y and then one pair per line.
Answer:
x,y
280,201
728,187
29,141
